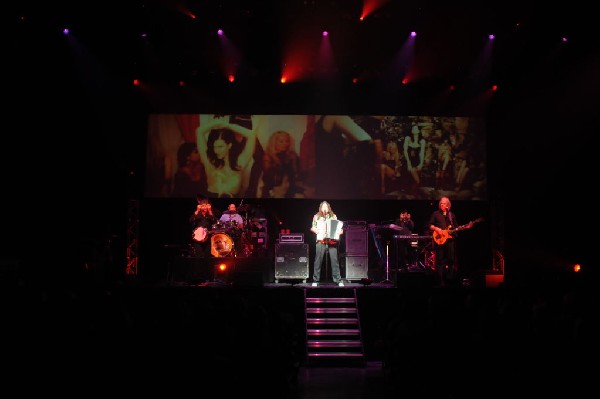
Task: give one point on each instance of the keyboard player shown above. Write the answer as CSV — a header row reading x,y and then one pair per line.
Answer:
x,y
404,225
383,234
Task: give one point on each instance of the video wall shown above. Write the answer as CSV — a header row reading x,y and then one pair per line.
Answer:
x,y
315,157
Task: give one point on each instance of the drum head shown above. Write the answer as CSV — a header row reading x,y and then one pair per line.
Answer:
x,y
221,245
200,234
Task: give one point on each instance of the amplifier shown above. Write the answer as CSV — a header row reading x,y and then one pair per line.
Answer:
x,y
356,242
357,267
291,261
355,225
296,238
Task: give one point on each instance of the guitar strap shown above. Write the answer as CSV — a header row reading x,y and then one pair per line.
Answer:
x,y
450,218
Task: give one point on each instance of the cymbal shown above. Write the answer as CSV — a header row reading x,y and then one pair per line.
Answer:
x,y
244,208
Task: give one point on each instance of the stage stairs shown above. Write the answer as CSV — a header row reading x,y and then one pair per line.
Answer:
x,y
333,331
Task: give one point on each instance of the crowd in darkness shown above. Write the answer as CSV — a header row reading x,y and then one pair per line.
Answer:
x,y
436,342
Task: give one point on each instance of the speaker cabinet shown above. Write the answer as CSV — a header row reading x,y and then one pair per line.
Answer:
x,y
356,241
357,267
291,261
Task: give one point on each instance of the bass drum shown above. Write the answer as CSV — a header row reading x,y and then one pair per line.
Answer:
x,y
221,245
200,234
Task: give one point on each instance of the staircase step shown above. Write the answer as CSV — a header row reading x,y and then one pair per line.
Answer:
x,y
344,343
336,354
330,300
333,331
332,320
331,310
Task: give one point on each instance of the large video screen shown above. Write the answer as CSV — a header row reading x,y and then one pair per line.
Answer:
x,y
315,156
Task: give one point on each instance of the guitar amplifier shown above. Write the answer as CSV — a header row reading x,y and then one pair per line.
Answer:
x,y
297,238
356,242
357,267
291,261
355,225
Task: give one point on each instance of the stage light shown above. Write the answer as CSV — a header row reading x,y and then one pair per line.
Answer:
x,y
222,267
577,268
220,32
181,83
136,82
405,81
413,34
491,37
325,33
231,78
66,31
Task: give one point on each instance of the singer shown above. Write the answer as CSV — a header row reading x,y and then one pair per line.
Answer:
x,y
442,221
324,244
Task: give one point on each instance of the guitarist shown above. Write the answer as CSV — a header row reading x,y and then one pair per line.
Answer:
x,y
441,222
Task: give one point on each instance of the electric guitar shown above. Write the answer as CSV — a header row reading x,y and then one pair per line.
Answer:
x,y
442,236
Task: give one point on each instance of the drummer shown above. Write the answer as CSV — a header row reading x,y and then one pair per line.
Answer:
x,y
202,221
231,218
234,225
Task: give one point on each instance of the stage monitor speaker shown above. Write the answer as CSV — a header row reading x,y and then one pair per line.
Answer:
x,y
291,261
356,242
357,267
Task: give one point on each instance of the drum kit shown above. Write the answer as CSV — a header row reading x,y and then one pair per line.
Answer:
x,y
228,239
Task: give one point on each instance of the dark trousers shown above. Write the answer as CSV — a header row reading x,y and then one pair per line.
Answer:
x,y
320,252
445,262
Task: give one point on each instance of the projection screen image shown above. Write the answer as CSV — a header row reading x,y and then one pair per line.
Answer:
x,y
315,156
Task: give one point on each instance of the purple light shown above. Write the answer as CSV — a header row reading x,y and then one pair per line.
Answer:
x,y
491,37
66,31
413,34
220,32
325,33
564,39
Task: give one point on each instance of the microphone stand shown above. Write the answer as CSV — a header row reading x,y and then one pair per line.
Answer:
x,y
387,264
